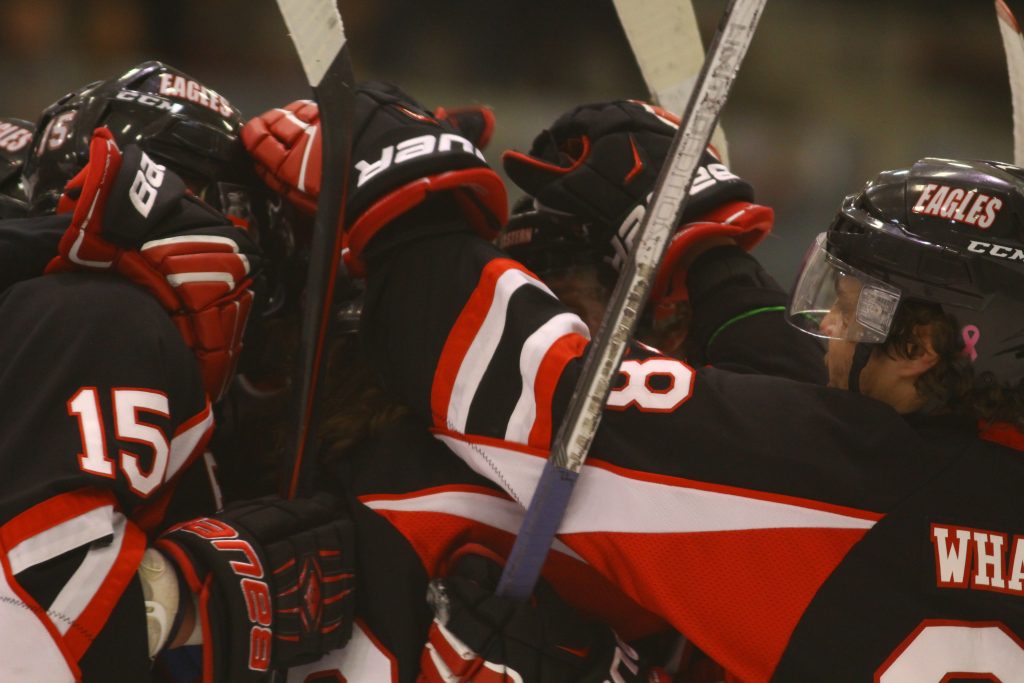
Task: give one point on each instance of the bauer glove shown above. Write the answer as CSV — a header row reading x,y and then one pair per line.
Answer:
x,y
274,580
401,154
599,163
135,217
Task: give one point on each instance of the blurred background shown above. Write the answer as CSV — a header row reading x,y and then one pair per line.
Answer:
x,y
830,93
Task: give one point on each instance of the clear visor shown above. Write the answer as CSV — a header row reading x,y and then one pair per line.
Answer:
x,y
836,301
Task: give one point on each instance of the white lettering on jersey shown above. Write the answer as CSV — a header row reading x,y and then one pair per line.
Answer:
x,y
413,148
977,558
970,207
640,390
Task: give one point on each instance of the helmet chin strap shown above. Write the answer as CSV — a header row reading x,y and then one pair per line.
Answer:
x,y
861,354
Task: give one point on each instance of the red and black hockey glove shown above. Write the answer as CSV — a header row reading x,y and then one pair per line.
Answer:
x,y
401,154
599,163
478,636
274,580
133,216
289,154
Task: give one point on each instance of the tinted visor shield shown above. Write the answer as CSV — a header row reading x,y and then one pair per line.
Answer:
x,y
833,300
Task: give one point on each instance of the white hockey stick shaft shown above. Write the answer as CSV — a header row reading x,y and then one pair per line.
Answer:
x,y
576,433
1013,44
666,43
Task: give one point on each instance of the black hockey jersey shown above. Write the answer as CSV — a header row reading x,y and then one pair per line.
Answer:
x,y
794,532
416,503
102,432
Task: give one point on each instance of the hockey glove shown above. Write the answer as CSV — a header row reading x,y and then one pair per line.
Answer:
x,y
401,154
135,217
274,580
478,636
289,154
600,162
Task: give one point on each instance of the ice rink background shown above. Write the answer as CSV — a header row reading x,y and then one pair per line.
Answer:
x,y
830,93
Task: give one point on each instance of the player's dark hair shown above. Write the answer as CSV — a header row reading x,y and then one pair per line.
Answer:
x,y
951,384
356,405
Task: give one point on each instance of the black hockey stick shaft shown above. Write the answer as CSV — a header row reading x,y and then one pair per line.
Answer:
x,y
317,32
572,442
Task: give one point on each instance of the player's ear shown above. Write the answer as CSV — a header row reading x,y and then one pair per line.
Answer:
x,y
920,354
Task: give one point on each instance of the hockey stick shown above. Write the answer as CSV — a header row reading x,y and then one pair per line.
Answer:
x,y
1013,45
667,46
551,497
319,37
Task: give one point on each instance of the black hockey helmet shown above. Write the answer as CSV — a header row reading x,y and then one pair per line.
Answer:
x,y
945,232
15,136
173,117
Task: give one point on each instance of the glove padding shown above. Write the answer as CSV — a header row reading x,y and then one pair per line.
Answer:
x,y
600,162
286,145
401,154
274,579
135,217
478,636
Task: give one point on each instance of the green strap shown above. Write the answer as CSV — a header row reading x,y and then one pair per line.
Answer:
x,y
741,316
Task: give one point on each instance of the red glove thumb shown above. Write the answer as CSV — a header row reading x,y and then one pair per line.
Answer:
x,y
82,243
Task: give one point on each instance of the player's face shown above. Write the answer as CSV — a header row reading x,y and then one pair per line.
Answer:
x,y
839,357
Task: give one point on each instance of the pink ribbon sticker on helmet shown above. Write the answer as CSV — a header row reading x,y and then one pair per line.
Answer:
x,y
971,335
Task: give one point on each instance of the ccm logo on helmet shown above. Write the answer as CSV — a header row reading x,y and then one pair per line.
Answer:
x,y
148,100
964,206
413,148
998,250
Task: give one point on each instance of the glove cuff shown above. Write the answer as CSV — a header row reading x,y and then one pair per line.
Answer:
x,y
483,216
745,222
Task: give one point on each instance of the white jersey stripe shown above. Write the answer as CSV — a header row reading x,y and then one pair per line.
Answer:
x,y
87,580
481,350
61,538
533,353
605,501
28,652
184,444
499,513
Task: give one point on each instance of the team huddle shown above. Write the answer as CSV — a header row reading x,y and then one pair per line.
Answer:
x,y
814,485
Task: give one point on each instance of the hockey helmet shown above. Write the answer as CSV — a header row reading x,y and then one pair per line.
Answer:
x,y
15,136
173,117
945,232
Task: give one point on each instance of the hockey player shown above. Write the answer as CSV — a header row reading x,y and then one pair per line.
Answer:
x,y
795,532
419,511
569,234
110,376
401,460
